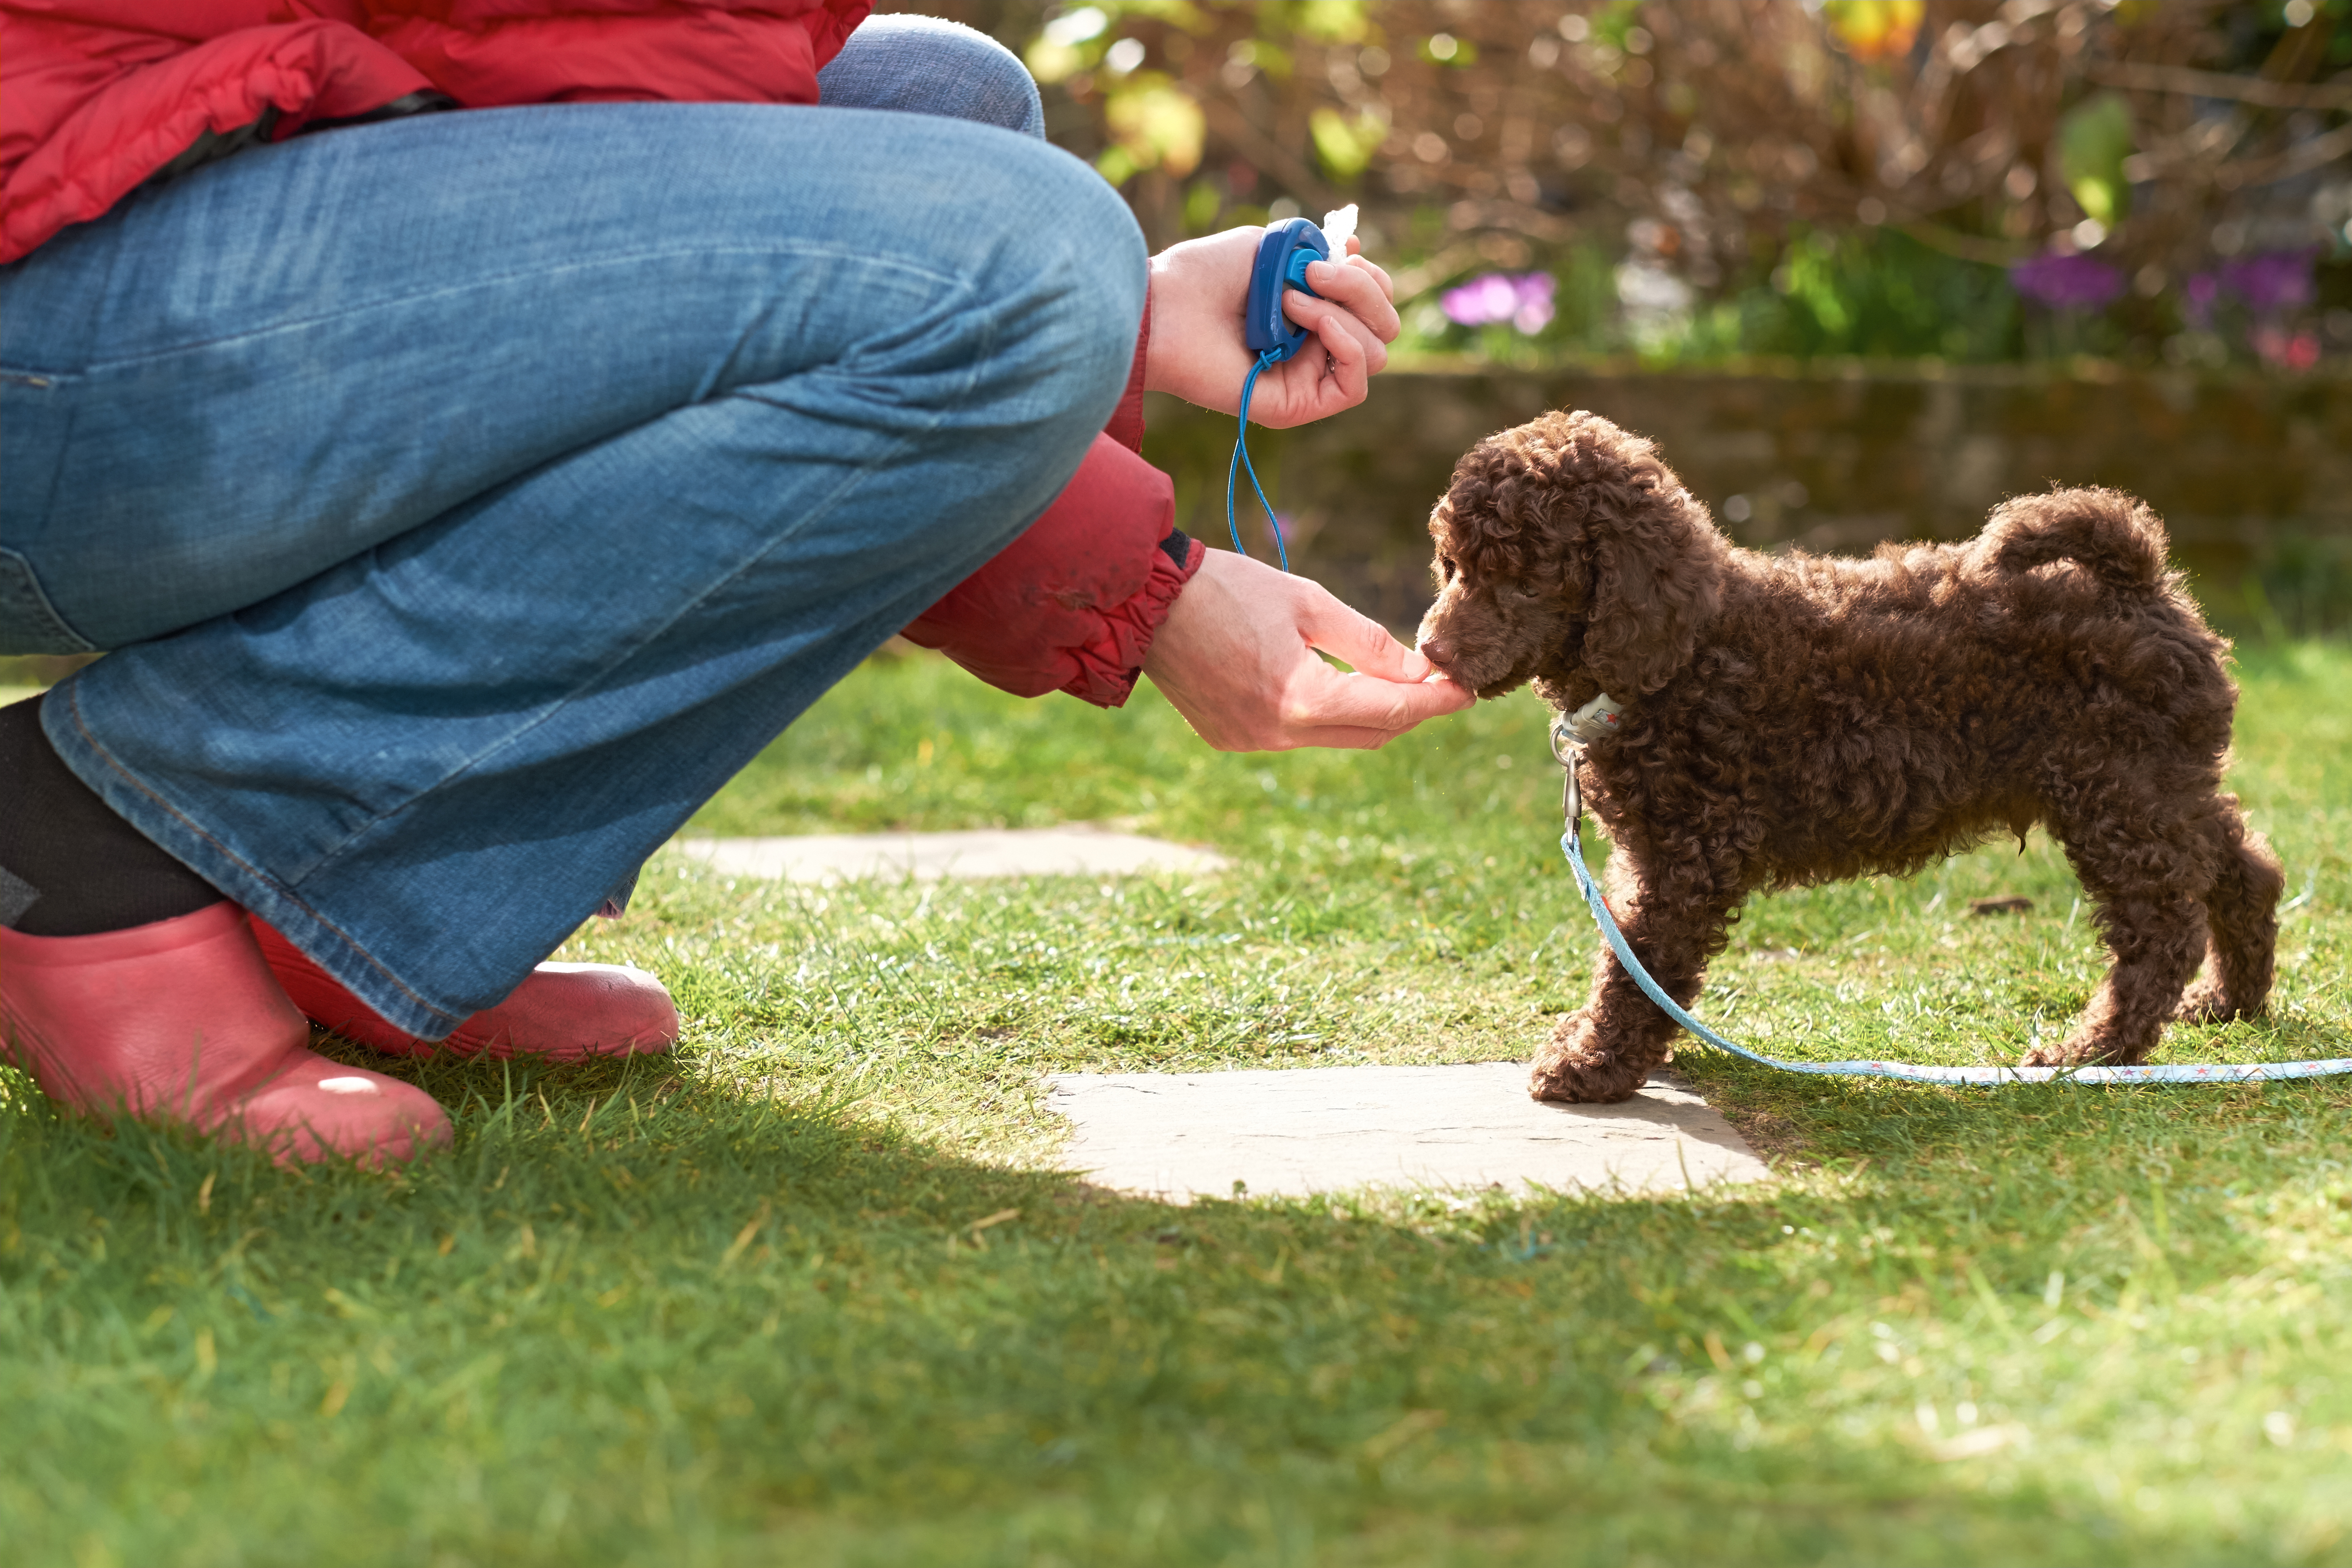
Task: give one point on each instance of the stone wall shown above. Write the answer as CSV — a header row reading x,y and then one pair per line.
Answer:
x,y
2253,475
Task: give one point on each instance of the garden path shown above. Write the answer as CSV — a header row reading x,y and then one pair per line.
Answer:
x,y
1300,1130
1078,849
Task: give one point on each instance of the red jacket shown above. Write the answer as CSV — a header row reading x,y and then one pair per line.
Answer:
x,y
97,96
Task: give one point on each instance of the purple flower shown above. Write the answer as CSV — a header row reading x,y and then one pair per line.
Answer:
x,y
1534,313
1480,302
2067,282
1525,301
2280,280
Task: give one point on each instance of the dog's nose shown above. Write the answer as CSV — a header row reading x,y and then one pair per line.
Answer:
x,y
1438,651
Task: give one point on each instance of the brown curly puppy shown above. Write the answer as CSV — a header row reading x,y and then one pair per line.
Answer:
x,y
1795,719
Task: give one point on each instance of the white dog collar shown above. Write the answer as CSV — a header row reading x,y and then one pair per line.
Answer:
x,y
1595,719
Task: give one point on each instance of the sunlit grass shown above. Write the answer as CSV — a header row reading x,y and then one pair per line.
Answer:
x,y
733,1306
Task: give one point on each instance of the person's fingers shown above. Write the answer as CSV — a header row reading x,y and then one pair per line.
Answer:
x,y
1326,318
1324,378
1443,695
1337,322
1398,707
1388,284
1343,378
1355,289
1358,640
1353,282
1375,351
1340,738
1318,727
1368,702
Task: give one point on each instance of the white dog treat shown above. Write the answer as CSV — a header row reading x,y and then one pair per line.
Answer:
x,y
1339,227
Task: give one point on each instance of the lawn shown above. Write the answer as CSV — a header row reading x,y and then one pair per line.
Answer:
x,y
811,1291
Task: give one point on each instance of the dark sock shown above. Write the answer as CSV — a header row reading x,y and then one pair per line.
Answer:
x,y
68,865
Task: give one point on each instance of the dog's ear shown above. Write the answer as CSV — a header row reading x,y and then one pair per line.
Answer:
x,y
1657,579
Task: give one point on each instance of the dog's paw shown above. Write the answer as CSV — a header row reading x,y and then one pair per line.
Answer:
x,y
1572,1083
1573,1071
2080,1051
2207,1002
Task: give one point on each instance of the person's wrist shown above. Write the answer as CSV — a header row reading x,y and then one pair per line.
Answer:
x,y
1165,288
1197,287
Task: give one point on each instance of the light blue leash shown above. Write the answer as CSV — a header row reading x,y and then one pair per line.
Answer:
x,y
1567,747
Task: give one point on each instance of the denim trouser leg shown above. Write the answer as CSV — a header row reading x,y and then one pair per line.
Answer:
x,y
467,499
924,65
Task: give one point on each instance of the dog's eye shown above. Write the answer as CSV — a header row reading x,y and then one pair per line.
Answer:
x,y
1446,567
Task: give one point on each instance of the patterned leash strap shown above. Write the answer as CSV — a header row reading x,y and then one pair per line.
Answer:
x,y
1565,746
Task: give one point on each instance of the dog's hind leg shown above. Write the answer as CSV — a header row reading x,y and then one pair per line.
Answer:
x,y
2147,865
1605,1050
2242,920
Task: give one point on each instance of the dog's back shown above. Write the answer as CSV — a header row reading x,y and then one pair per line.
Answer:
x,y
1892,710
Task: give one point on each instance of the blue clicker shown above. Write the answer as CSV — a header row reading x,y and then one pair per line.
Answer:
x,y
1282,259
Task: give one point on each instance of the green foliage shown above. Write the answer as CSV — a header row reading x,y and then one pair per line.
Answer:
x,y
1325,21
2094,139
736,1306
1156,125
1445,50
1346,145
1871,291
1612,20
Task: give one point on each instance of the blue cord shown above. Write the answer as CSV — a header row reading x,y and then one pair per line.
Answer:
x,y
1240,463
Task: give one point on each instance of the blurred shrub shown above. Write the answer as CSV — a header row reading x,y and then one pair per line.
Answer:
x,y
1719,177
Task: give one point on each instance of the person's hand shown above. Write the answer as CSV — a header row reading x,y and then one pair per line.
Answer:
x,y
1198,292
1237,658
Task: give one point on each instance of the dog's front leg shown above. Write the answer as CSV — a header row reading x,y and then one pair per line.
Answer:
x,y
1675,918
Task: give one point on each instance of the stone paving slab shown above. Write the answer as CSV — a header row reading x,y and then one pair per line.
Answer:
x,y
1293,1133
1073,850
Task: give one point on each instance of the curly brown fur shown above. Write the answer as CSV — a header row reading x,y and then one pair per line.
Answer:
x,y
1797,719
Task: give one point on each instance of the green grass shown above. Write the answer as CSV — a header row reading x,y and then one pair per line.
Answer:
x,y
737,1306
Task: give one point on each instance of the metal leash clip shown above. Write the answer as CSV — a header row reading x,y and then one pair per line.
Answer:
x,y
1566,750
1569,734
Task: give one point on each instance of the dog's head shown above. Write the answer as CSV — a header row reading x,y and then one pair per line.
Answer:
x,y
1565,548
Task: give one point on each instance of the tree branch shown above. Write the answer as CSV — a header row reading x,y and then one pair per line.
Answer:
x,y
2191,83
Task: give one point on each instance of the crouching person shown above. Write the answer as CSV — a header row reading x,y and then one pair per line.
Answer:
x,y
472,443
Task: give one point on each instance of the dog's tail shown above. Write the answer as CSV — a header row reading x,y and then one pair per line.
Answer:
x,y
2117,537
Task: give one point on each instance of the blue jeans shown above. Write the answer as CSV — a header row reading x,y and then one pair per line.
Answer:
x,y
466,499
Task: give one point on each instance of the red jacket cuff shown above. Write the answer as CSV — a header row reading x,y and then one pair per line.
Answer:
x,y
1109,665
1072,604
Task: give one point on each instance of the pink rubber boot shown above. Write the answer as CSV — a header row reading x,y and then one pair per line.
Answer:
x,y
179,1021
561,1012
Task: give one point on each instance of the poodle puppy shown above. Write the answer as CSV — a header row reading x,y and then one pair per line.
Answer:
x,y
1793,719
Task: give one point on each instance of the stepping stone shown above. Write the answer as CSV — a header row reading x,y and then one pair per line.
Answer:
x,y
1076,850
1293,1132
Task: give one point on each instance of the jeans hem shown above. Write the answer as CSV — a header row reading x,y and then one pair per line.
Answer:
x,y
172,830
